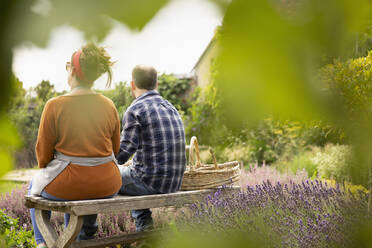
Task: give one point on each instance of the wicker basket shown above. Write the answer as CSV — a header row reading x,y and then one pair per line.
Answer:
x,y
200,176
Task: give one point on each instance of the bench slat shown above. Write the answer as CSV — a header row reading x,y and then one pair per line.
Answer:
x,y
146,202
122,203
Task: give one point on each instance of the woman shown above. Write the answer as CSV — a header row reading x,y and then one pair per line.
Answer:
x,y
79,135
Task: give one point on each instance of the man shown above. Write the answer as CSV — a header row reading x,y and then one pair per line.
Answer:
x,y
153,131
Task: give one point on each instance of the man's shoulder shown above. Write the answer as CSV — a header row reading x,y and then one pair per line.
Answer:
x,y
145,104
135,107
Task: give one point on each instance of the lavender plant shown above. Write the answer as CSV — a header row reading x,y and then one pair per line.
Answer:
x,y
284,214
307,214
259,174
114,224
12,204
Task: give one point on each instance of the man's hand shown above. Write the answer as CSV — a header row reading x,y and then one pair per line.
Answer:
x,y
129,162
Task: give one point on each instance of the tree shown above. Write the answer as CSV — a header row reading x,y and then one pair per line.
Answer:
x,y
25,112
175,90
18,94
44,90
121,96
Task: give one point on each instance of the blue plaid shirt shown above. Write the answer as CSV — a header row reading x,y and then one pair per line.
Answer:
x,y
153,131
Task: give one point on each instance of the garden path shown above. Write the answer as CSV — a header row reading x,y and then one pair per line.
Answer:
x,y
20,176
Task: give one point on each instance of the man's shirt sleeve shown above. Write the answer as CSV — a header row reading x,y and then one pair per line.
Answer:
x,y
129,139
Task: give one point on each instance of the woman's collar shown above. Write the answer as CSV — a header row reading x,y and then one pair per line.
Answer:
x,y
79,90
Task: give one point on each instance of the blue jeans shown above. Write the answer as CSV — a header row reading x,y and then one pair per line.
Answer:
x,y
87,231
133,186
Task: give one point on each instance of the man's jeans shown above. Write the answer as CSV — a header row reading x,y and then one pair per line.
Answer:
x,y
87,231
133,186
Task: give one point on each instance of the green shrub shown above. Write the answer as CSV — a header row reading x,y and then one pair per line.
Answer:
x,y
13,235
273,139
352,82
19,238
25,111
121,97
277,140
243,153
302,161
319,133
6,222
174,90
333,162
204,120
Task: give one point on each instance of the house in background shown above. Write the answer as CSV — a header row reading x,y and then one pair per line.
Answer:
x,y
201,70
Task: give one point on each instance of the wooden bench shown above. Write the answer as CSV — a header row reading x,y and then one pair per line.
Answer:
x,y
77,209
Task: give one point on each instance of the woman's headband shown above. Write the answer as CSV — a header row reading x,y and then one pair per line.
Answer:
x,y
76,65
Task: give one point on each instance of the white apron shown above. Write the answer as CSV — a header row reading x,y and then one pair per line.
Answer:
x,y
58,164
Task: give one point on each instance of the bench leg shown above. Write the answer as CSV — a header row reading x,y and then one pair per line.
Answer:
x,y
45,227
49,234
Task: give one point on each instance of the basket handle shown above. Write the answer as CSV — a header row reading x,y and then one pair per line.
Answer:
x,y
214,158
194,147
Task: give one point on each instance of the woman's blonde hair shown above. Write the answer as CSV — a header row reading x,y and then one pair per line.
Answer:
x,y
94,61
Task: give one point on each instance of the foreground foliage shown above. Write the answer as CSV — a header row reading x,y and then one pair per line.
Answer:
x,y
13,234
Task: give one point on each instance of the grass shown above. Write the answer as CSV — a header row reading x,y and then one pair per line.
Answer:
x,y
6,187
299,162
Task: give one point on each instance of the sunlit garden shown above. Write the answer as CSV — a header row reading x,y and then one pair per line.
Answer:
x,y
284,88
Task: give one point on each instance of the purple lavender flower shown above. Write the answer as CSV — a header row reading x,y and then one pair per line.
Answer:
x,y
304,214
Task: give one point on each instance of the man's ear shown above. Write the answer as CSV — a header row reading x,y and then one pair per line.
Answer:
x,y
156,85
132,85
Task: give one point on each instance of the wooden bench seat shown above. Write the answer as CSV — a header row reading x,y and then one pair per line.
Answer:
x,y
77,209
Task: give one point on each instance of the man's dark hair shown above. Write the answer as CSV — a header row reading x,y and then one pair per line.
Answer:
x,y
144,77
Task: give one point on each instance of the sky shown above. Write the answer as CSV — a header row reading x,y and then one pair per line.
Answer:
x,y
172,42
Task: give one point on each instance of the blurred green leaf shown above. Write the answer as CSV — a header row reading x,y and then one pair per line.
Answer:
x,y
363,238
93,17
8,136
6,162
270,54
8,142
197,239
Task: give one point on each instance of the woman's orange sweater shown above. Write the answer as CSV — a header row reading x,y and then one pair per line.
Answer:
x,y
81,125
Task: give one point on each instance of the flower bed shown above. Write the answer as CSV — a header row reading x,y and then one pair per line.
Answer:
x,y
307,214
